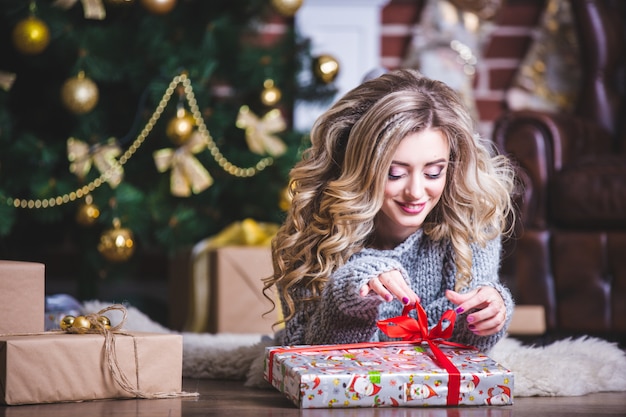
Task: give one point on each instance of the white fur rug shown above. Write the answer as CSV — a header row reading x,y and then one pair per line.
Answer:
x,y
568,367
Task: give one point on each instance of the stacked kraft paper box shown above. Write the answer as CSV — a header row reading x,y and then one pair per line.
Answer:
x,y
38,366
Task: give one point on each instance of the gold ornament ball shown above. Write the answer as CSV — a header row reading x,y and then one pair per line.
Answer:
x,y
31,36
270,94
325,68
87,214
116,244
284,201
79,94
287,8
104,321
158,6
81,324
67,322
180,127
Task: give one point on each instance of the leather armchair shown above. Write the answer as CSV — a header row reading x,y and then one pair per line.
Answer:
x,y
569,252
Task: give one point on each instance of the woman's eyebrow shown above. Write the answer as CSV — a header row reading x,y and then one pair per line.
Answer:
x,y
435,162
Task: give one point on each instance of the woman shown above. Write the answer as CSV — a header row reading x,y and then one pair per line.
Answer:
x,y
396,201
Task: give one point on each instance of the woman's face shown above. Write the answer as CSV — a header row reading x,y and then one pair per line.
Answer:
x,y
415,182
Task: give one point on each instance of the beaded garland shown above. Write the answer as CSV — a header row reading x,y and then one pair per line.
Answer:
x,y
222,161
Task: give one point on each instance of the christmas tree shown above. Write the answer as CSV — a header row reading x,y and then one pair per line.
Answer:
x,y
154,123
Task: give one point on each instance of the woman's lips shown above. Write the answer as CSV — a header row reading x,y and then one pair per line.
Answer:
x,y
411,208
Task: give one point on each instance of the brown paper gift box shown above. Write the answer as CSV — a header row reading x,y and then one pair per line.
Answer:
x,y
228,291
56,366
22,297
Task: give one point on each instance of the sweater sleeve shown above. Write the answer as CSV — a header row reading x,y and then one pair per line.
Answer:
x,y
485,272
342,315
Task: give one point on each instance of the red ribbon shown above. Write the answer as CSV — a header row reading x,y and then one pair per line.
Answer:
x,y
405,328
416,330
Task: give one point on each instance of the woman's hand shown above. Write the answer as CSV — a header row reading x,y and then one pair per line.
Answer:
x,y
390,285
491,311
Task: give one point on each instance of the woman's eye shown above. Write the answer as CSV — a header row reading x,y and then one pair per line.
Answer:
x,y
433,175
395,174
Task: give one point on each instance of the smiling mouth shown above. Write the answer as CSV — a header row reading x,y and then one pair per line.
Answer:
x,y
412,208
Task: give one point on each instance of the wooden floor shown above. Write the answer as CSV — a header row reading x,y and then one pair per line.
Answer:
x,y
232,399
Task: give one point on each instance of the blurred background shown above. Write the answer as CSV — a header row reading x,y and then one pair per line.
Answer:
x,y
131,130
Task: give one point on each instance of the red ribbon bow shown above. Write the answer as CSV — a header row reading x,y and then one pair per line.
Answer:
x,y
416,330
407,328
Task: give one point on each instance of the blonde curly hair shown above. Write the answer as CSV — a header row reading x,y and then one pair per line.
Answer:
x,y
337,188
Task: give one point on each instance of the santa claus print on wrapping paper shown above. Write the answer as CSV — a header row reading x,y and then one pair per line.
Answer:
x,y
291,381
477,358
339,358
498,397
469,385
362,386
330,367
414,391
410,352
310,381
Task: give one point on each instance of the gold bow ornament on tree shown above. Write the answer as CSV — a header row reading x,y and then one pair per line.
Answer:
x,y
92,9
6,80
247,232
260,131
81,157
187,173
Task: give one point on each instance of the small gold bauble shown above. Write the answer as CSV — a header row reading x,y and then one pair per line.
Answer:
x,y
158,6
104,321
79,94
180,127
67,322
287,8
81,324
116,244
325,68
87,213
31,36
285,199
270,94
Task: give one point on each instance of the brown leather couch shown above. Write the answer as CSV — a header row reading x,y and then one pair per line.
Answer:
x,y
569,253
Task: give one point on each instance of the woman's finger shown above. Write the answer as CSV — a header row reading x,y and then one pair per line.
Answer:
x,y
390,285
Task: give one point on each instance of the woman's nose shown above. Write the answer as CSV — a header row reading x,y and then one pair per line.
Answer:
x,y
415,187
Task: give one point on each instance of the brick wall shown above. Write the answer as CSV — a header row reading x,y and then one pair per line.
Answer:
x,y
502,55
504,50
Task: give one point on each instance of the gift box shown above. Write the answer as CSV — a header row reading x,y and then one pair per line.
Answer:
x,y
237,304
424,369
226,291
58,366
22,292
384,375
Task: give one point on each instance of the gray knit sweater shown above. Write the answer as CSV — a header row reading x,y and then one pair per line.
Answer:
x,y
342,315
